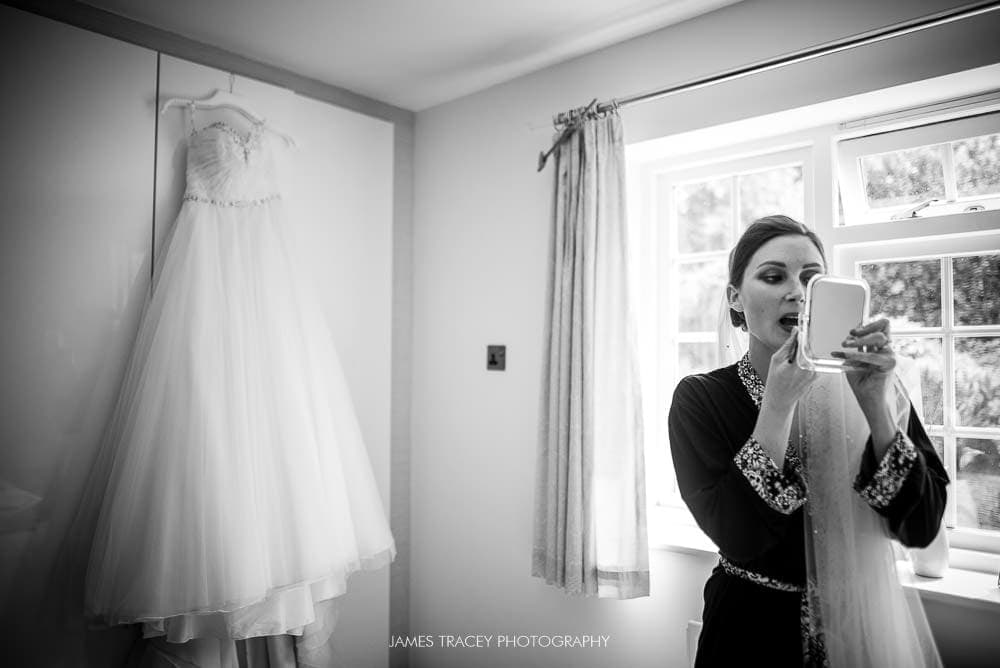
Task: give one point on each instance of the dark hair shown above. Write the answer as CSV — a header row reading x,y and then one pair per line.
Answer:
x,y
756,235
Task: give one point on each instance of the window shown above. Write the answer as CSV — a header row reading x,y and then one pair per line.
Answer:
x,y
945,313
704,217
699,211
934,269
939,290
935,169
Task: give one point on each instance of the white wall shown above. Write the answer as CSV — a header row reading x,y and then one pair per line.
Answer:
x,y
481,245
77,208
76,197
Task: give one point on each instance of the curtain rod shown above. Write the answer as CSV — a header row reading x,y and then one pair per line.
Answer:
x,y
962,12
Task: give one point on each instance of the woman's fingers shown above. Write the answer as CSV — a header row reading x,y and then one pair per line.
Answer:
x,y
873,336
874,341
786,352
880,325
790,341
881,361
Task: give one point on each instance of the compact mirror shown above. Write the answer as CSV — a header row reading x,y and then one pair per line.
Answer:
x,y
833,307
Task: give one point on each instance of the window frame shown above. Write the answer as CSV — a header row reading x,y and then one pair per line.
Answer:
x,y
847,260
930,131
667,508
670,523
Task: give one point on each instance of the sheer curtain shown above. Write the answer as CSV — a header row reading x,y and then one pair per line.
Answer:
x,y
590,498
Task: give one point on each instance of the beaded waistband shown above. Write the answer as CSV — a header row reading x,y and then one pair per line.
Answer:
x,y
810,626
237,202
763,580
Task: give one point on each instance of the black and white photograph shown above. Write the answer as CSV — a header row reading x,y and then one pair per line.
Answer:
x,y
467,334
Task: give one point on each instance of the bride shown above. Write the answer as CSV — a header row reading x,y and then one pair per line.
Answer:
x,y
766,454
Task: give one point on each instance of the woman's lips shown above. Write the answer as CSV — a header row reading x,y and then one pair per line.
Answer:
x,y
788,321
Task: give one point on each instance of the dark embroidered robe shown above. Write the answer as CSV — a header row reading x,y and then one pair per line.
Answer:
x,y
753,511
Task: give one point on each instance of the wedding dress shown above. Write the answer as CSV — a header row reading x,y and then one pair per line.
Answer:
x,y
239,494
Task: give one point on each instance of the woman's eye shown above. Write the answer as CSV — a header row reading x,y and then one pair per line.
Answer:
x,y
771,278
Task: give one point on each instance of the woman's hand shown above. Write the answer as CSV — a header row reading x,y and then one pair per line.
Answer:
x,y
869,373
869,369
787,382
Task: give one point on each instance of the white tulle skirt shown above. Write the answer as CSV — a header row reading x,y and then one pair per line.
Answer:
x,y
239,492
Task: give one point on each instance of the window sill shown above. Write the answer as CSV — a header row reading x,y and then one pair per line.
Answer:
x,y
686,538
671,528
957,587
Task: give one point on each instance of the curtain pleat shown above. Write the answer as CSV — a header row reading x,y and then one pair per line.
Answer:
x,y
590,515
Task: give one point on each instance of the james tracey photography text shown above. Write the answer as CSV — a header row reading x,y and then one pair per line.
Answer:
x,y
501,641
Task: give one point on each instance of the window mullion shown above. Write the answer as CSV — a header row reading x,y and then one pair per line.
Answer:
x,y
948,349
668,354
734,226
948,168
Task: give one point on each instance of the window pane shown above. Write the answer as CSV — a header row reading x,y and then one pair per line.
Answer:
x,y
699,294
695,358
977,165
978,488
771,191
920,364
910,176
977,289
977,381
704,212
908,293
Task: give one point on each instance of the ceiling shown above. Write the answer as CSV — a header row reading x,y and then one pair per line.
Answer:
x,y
412,54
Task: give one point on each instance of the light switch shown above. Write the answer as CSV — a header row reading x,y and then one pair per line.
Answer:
x,y
496,358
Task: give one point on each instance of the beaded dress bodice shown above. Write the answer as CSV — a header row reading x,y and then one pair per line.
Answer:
x,y
227,168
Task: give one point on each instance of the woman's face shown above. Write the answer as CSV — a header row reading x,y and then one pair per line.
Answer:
x,y
773,284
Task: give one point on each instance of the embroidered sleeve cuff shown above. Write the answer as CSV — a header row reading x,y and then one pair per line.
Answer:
x,y
892,471
781,491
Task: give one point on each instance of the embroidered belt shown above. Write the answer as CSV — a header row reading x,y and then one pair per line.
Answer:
x,y
813,647
763,580
236,202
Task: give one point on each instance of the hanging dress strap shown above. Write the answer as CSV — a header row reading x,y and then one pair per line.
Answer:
x,y
190,118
